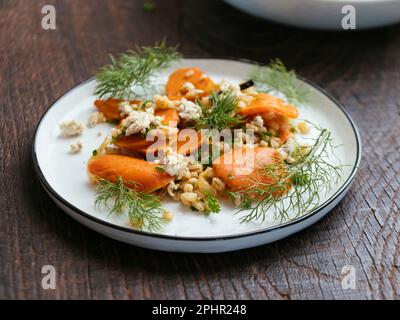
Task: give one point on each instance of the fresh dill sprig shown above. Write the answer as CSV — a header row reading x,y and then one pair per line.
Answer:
x,y
213,205
221,115
133,69
276,77
310,176
144,210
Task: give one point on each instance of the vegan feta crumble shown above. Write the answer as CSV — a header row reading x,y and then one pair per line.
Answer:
x,y
243,98
76,147
140,121
187,86
96,118
190,90
189,111
125,108
189,73
175,164
72,128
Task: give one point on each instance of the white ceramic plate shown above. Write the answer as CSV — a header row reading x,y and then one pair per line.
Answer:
x,y
64,176
323,14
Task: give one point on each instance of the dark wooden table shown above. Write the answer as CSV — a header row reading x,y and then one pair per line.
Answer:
x,y
362,70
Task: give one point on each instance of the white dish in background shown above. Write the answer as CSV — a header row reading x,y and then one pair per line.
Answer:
x,y
322,14
64,176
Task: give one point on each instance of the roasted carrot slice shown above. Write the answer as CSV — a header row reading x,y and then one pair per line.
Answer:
x,y
242,168
195,76
110,108
134,142
264,103
171,116
143,174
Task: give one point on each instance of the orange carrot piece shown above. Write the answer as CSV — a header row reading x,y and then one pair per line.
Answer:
x,y
171,116
110,108
264,103
144,174
134,142
242,168
195,76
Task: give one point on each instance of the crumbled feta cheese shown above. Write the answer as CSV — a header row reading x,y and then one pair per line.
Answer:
x,y
203,77
140,121
227,86
176,164
190,91
189,111
96,118
187,86
125,108
72,128
76,147
189,73
193,93
258,122
243,98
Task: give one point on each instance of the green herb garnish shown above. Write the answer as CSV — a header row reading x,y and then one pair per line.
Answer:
x,y
213,205
144,210
309,176
300,179
221,115
275,77
133,69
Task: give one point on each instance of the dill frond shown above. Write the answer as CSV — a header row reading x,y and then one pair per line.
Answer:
x,y
310,176
212,203
276,77
133,69
221,115
144,210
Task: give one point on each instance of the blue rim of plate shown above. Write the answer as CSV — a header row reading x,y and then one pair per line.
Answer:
x,y
342,189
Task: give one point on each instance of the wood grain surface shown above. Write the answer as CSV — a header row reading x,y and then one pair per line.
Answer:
x,y
362,70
